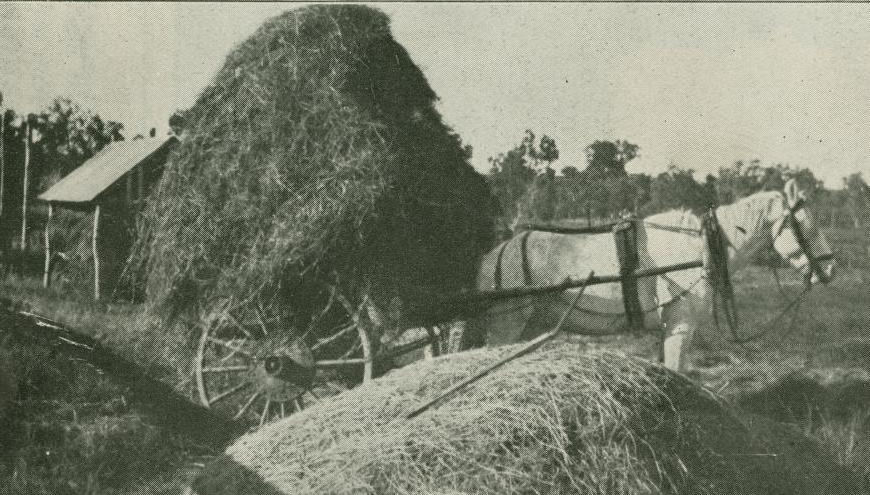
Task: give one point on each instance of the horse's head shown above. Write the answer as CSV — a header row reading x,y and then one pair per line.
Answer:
x,y
797,238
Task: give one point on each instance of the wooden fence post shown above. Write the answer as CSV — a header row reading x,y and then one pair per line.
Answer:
x,y
26,186
95,248
47,271
2,156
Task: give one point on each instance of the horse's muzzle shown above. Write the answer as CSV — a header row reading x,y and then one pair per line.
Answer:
x,y
827,270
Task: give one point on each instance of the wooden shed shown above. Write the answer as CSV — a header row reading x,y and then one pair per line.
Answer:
x,y
111,184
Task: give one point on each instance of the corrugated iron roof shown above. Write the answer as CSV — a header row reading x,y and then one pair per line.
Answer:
x,y
85,183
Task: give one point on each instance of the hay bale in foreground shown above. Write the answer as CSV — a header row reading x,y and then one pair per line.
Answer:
x,y
557,421
316,150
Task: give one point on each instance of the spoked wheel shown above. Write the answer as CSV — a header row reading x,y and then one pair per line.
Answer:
x,y
255,371
253,374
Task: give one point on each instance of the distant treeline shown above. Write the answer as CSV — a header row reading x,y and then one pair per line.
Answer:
x,y
528,188
63,136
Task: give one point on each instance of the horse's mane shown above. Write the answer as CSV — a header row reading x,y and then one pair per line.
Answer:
x,y
750,213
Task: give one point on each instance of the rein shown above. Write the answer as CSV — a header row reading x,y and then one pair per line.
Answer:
x,y
797,231
727,293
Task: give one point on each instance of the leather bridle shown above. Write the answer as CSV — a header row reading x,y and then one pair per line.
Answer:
x,y
803,244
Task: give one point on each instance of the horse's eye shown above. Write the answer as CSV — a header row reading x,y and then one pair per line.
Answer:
x,y
742,230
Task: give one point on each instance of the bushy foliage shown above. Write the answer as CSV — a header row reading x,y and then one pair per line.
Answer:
x,y
677,188
63,136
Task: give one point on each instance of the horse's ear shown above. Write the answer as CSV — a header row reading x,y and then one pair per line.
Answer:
x,y
792,192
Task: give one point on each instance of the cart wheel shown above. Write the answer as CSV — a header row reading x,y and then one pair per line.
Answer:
x,y
254,375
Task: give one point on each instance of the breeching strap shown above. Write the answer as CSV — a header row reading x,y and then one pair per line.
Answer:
x,y
625,236
499,262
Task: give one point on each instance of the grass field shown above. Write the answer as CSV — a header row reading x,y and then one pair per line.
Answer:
x,y
74,430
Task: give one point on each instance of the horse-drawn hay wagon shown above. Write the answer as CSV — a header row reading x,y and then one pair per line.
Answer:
x,y
317,206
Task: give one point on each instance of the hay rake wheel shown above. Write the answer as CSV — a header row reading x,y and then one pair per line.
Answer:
x,y
255,375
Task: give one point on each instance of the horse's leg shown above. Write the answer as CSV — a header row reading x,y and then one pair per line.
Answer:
x,y
501,324
678,324
678,334
665,315
456,336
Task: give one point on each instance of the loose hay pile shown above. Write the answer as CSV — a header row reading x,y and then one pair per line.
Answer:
x,y
316,151
558,421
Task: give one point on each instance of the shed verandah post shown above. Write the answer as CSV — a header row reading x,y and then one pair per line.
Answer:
x,y
95,249
46,273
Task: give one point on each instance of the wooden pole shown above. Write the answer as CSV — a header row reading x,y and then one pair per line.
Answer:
x,y
532,346
26,186
95,248
46,272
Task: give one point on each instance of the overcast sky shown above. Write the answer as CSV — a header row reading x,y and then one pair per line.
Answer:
x,y
697,85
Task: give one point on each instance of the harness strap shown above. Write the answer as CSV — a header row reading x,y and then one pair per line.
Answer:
x,y
798,232
524,250
671,228
717,268
625,236
498,263
592,229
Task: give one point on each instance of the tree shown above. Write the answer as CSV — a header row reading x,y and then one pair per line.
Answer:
x,y
604,186
857,198
611,156
64,136
544,197
677,188
742,179
523,179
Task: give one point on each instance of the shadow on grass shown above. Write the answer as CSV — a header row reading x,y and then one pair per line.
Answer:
x,y
84,420
833,409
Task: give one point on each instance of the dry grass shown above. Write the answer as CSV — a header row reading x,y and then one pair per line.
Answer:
x,y
163,352
316,151
564,420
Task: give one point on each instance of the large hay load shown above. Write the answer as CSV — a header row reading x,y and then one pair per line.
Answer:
x,y
315,181
315,154
562,420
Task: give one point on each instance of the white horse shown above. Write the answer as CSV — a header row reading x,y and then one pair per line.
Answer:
x,y
680,301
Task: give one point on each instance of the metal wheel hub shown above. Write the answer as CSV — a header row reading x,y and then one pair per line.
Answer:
x,y
282,371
